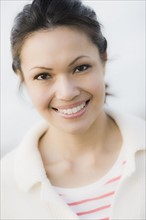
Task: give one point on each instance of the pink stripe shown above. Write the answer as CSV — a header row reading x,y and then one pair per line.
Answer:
x,y
94,210
107,218
113,180
92,199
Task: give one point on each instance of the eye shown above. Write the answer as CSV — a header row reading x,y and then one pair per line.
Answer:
x,y
81,68
42,76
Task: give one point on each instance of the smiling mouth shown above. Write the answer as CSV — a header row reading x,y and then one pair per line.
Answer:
x,y
74,110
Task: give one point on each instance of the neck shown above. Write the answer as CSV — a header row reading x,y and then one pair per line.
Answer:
x,y
73,145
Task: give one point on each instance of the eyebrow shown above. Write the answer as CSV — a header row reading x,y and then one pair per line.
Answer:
x,y
46,68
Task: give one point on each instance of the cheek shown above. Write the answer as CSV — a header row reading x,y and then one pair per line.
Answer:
x,y
39,99
98,94
100,88
97,86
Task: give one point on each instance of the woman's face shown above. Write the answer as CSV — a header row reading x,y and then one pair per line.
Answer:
x,y
64,76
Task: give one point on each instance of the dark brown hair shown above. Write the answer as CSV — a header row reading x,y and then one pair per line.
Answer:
x,y
46,14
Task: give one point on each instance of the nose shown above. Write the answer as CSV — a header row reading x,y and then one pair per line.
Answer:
x,y
66,89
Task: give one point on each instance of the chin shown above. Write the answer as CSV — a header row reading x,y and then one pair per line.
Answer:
x,y
76,128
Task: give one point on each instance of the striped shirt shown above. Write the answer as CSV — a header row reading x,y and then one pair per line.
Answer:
x,y
94,201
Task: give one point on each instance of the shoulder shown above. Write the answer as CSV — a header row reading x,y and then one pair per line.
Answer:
x,y
27,143
8,160
7,172
17,167
8,186
131,127
126,120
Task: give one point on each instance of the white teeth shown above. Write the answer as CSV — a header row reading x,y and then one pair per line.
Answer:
x,y
72,110
69,111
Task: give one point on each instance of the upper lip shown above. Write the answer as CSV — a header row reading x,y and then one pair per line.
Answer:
x,y
71,105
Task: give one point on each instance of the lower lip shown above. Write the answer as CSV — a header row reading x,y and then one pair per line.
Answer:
x,y
74,115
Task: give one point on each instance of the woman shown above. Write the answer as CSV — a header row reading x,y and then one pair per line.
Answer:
x,y
85,161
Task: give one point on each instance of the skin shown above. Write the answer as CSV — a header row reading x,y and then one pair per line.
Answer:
x,y
62,73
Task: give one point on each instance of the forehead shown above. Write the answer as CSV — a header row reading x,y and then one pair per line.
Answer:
x,y
60,42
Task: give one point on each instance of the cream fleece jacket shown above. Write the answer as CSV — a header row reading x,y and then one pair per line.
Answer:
x,y
26,192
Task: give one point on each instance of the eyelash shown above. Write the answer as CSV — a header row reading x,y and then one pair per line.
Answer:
x,y
87,66
45,75
81,68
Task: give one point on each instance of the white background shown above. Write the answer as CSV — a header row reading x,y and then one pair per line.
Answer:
x,y
123,26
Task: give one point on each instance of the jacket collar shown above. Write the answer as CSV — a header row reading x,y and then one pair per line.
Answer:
x,y
28,165
132,129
